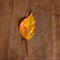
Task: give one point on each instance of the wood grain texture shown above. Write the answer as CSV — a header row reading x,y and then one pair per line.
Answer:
x,y
45,45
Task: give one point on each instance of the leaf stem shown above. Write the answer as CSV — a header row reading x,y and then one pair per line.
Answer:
x,y
27,47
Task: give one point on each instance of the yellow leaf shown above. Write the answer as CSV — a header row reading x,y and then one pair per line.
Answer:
x,y
27,27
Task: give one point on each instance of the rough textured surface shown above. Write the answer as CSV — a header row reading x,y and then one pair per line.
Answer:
x,y
45,45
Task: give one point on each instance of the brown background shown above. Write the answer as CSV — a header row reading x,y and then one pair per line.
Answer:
x,y
45,45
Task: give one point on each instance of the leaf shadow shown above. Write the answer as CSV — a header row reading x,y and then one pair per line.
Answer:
x,y
22,18
19,21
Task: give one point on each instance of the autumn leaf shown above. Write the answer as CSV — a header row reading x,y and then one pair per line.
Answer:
x,y
27,27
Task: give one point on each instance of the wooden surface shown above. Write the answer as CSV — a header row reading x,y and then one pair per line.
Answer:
x,y
45,45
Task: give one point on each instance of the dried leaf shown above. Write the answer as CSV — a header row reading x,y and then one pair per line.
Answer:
x,y
27,27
